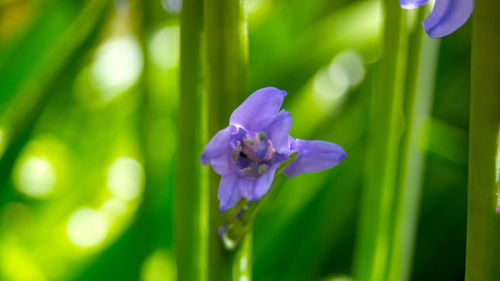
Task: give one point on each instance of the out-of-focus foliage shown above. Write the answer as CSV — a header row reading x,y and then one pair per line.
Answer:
x,y
88,93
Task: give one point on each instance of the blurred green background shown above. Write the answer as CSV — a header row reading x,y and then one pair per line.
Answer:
x,y
88,93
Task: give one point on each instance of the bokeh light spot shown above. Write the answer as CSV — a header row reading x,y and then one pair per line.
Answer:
x,y
86,228
329,86
159,266
253,6
332,83
37,177
352,63
117,66
125,177
113,208
172,6
164,47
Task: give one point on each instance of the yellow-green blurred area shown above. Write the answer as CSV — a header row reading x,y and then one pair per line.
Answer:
x,y
88,101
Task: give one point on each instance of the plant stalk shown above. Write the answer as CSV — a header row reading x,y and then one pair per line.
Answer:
x,y
377,203
483,223
191,194
226,65
421,70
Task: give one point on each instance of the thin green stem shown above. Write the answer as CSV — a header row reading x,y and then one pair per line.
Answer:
x,y
401,106
192,198
421,69
374,241
226,58
242,263
483,223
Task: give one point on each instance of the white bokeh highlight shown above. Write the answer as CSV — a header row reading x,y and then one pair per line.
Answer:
x,y
86,228
332,83
164,48
117,66
37,177
125,178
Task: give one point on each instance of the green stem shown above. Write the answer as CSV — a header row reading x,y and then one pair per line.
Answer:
x,y
483,223
192,198
422,59
242,263
374,240
404,94
226,58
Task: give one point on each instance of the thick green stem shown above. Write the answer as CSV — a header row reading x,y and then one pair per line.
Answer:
x,y
226,58
483,223
374,240
192,197
421,69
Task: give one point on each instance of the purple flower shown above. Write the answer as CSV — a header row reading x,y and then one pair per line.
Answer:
x,y
248,152
446,17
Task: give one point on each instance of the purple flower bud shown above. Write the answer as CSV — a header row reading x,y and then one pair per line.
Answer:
x,y
446,17
248,152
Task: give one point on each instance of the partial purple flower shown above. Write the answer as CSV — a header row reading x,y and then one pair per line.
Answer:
x,y
446,17
256,143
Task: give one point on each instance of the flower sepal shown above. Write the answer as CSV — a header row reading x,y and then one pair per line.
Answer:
x,y
238,221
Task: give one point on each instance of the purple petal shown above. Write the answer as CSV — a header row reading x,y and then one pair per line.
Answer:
x,y
218,145
222,165
263,183
245,186
314,156
412,4
447,16
228,194
278,131
262,105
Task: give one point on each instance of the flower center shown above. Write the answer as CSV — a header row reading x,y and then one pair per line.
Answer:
x,y
252,154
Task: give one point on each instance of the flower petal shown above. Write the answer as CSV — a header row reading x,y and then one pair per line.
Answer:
x,y
228,194
314,156
222,164
412,4
263,183
258,107
447,16
218,145
245,186
278,130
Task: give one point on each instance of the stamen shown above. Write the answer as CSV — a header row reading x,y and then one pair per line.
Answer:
x,y
262,169
247,171
259,149
237,151
262,136
248,141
